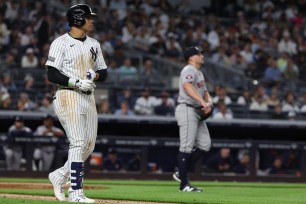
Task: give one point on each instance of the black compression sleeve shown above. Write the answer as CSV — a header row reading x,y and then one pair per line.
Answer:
x,y
55,76
102,75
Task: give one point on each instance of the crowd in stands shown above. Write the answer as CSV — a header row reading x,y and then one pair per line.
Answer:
x,y
265,39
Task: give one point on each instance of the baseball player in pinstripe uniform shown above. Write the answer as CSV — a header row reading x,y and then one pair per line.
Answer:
x,y
194,103
75,62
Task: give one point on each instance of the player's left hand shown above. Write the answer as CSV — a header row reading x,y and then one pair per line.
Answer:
x,y
91,74
207,112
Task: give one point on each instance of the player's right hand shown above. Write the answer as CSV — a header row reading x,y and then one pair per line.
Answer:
x,y
85,85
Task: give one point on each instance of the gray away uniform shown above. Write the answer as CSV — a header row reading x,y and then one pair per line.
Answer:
x,y
193,131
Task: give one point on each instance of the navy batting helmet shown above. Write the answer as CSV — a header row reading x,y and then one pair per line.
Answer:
x,y
76,14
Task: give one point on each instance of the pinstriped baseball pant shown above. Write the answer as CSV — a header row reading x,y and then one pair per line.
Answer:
x,y
193,132
78,115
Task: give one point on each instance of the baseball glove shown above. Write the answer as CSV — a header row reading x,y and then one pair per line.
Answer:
x,y
206,115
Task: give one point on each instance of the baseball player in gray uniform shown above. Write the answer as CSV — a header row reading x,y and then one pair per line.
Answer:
x,y
75,62
194,102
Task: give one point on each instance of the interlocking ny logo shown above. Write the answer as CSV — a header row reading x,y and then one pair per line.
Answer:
x,y
94,53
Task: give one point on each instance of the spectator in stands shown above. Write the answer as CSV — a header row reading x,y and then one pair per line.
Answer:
x,y
245,99
252,73
6,102
221,57
128,32
221,161
127,72
291,75
278,113
26,36
157,45
292,115
8,83
148,75
221,95
165,105
48,87
4,32
238,62
13,151
44,154
247,54
28,85
127,95
173,47
103,106
259,104
29,60
112,72
141,41
24,103
164,5
124,109
9,62
46,105
106,46
222,112
286,44
244,165
112,162
282,61
290,103
273,99
272,74
146,103
260,90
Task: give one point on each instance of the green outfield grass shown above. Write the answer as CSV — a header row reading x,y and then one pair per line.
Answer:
x,y
167,191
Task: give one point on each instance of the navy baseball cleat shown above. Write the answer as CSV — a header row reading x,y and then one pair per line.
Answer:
x,y
176,176
189,188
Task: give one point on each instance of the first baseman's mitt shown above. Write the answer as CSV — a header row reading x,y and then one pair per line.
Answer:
x,y
206,115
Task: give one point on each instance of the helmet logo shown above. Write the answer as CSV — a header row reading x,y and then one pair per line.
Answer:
x,y
78,13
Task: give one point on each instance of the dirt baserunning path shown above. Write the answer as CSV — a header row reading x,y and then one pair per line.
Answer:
x,y
11,185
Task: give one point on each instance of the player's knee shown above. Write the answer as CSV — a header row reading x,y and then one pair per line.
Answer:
x,y
205,147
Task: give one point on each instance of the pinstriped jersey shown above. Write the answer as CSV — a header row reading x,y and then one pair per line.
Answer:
x,y
190,74
74,58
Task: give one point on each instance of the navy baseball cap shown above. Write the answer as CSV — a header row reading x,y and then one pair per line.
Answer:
x,y
192,51
18,118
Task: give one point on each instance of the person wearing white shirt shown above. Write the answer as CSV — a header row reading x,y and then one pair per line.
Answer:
x,y
46,153
223,112
145,104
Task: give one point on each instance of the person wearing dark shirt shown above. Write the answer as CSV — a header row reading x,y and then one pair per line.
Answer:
x,y
134,163
221,161
112,162
243,166
277,167
13,151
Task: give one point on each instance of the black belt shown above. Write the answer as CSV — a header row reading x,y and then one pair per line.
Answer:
x,y
192,106
74,89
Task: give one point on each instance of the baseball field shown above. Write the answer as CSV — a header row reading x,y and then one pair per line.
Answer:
x,y
17,190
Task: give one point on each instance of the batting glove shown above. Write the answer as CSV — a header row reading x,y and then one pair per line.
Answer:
x,y
91,74
85,85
